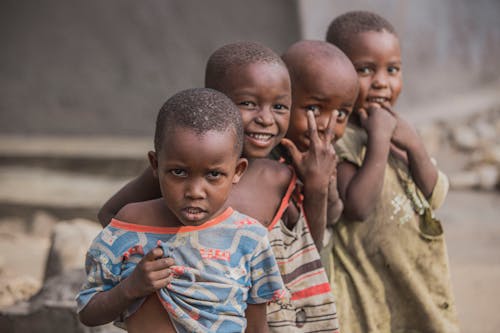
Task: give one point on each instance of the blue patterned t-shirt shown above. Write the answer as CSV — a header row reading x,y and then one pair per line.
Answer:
x,y
220,267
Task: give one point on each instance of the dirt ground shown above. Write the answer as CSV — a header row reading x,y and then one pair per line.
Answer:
x,y
471,221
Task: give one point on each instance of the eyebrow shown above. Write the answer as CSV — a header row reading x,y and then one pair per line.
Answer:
x,y
319,99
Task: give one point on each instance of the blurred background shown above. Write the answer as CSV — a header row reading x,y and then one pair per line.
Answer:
x,y
81,84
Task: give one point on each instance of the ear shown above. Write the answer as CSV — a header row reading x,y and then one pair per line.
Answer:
x,y
241,167
153,161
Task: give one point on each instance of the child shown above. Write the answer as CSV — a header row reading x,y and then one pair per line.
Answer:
x,y
224,262
324,82
257,81
391,266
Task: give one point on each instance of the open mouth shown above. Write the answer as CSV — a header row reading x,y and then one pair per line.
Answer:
x,y
377,99
194,213
260,139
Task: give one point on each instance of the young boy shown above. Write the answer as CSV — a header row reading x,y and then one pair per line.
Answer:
x,y
324,83
391,266
257,81
225,271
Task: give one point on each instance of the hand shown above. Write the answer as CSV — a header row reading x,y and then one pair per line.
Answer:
x,y
404,134
150,274
318,163
378,119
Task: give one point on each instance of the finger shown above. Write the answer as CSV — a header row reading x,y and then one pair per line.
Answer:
x,y
154,254
363,115
161,264
330,129
163,283
372,106
387,106
312,127
294,152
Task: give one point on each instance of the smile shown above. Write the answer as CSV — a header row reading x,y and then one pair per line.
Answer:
x,y
260,136
377,99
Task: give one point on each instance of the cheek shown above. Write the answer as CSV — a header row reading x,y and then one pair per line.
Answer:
x,y
339,130
283,124
246,116
364,87
396,88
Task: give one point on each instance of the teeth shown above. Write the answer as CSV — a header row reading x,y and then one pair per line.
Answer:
x,y
259,136
377,99
193,210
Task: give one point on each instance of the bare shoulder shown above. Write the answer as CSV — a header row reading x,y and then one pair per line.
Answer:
x,y
273,172
138,212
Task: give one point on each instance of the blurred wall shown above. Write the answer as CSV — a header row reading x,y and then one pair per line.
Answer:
x,y
105,67
449,46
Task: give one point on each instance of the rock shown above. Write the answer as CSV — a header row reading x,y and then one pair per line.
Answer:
x,y
465,138
70,241
23,269
17,289
488,176
42,224
488,155
463,180
483,177
485,131
53,309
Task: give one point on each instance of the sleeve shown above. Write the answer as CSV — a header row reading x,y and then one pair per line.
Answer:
x,y
440,191
352,146
103,271
266,282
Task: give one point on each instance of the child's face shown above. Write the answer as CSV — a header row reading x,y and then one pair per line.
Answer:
x,y
377,59
262,93
196,173
327,87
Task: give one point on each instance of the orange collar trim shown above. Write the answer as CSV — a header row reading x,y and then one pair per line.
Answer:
x,y
170,230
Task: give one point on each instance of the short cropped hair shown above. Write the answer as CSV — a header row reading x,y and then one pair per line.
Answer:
x,y
201,110
345,26
236,54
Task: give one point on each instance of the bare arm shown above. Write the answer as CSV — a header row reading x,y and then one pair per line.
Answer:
x,y
423,171
256,315
144,187
360,188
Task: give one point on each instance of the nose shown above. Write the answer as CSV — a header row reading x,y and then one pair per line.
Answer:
x,y
265,117
194,189
380,80
322,121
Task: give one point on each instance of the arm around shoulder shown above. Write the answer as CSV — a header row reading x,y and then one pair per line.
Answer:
x,y
144,187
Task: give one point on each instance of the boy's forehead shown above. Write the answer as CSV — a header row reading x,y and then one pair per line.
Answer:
x,y
190,136
334,79
373,40
254,75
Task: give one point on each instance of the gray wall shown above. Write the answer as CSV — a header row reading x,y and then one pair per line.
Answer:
x,y
105,67
449,46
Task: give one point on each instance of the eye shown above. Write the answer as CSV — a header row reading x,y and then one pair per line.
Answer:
x,y
314,108
282,108
393,69
343,114
179,172
247,105
364,70
214,175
